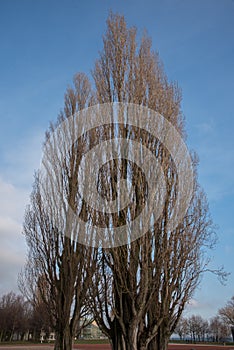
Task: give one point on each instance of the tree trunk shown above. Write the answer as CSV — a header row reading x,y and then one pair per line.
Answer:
x,y
63,339
232,330
130,346
160,342
131,339
117,341
127,342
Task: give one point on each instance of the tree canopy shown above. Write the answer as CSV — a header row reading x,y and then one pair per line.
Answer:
x,y
136,291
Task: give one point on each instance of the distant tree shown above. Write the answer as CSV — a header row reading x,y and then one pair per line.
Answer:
x,y
218,329
204,330
40,320
14,317
182,328
198,328
227,313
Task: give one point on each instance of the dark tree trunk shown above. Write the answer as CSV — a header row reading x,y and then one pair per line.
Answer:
x,y
127,342
132,338
63,339
116,338
160,342
117,342
232,330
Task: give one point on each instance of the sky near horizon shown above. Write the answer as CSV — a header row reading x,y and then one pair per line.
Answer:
x,y
45,42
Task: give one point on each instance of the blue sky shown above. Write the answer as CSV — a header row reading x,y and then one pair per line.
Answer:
x,y
44,43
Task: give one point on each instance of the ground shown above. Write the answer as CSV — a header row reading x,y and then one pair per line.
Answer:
x,y
107,347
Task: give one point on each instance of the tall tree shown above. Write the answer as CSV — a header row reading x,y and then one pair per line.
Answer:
x,y
59,269
140,288
143,286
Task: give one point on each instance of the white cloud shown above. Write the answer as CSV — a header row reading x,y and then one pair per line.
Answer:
x,y
18,164
206,127
12,200
12,248
193,304
200,307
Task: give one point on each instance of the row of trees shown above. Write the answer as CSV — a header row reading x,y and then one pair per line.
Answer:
x,y
137,291
196,329
19,320
218,328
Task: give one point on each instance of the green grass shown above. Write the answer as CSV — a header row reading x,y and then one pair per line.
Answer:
x,y
92,341
84,341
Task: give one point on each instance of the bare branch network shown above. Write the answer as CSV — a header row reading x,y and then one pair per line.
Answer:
x,y
118,227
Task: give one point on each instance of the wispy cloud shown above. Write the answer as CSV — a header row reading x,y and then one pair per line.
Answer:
x,y
12,248
203,308
206,127
16,179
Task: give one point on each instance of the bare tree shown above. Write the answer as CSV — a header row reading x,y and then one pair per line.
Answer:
x,y
218,329
198,328
227,313
59,269
182,328
40,320
14,317
142,287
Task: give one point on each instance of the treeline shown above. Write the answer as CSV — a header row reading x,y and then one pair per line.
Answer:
x,y
197,329
20,320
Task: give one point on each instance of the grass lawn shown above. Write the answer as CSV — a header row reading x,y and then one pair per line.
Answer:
x,y
92,341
